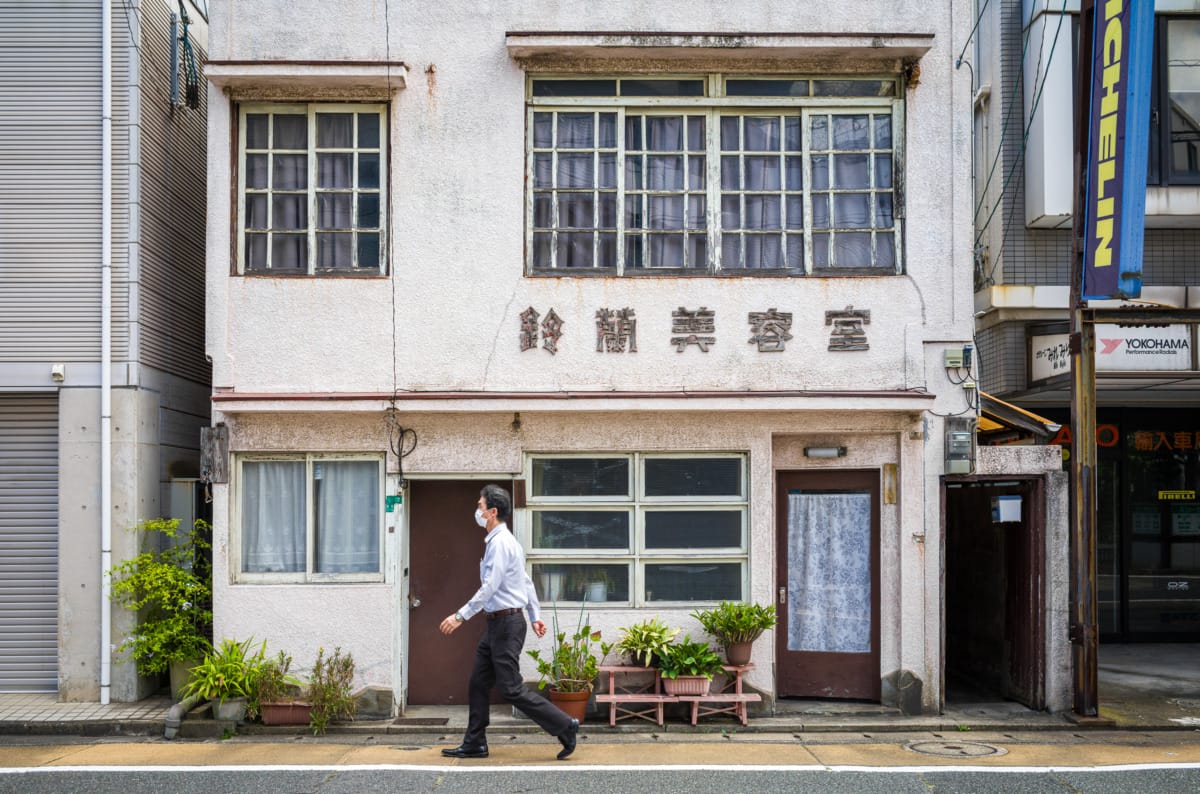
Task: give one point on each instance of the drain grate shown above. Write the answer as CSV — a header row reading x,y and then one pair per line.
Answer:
x,y
956,749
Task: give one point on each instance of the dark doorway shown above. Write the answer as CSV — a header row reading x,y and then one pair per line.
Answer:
x,y
445,547
994,593
827,530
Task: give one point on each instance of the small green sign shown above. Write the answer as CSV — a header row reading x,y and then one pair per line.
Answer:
x,y
392,501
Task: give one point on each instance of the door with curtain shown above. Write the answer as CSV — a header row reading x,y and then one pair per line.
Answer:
x,y
827,563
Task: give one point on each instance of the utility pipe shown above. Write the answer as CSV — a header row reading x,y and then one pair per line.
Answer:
x,y
105,350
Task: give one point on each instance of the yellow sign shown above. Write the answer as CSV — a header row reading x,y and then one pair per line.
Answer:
x,y
1176,496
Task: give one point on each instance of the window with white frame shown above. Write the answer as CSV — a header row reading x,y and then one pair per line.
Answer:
x,y
309,517
637,529
312,189
713,175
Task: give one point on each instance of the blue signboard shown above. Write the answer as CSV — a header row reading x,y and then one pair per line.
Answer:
x,y
1119,122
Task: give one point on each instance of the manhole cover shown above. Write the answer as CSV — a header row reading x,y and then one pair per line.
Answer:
x,y
956,749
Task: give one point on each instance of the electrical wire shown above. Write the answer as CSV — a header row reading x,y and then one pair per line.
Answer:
x,y
971,35
1008,114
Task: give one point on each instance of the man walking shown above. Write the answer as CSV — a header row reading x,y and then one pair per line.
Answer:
x,y
505,589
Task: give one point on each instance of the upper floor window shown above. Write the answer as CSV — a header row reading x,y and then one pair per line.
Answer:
x,y
708,175
1175,107
312,189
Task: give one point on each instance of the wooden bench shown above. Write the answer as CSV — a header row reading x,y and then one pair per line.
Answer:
x,y
730,699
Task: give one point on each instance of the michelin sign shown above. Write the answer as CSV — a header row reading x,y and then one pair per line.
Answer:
x,y
1115,207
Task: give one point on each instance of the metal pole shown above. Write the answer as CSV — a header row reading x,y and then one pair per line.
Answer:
x,y
1084,635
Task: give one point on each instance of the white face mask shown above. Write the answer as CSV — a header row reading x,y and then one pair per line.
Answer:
x,y
479,519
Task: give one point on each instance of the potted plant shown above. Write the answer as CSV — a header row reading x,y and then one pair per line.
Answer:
x,y
688,667
329,690
170,587
572,666
228,677
736,625
276,698
643,642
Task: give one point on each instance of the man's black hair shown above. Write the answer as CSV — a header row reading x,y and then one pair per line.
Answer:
x,y
497,497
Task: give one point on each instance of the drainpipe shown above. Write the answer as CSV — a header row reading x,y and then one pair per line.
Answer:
x,y
105,350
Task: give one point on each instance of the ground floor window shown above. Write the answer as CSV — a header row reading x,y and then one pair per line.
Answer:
x,y
309,517
635,529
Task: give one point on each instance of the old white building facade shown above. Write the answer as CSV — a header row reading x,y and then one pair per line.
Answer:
x,y
684,281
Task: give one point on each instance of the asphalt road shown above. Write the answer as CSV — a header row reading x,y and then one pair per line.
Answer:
x,y
593,781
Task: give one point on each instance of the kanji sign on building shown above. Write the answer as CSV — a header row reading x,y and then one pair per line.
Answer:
x,y
692,327
551,329
770,329
616,330
848,332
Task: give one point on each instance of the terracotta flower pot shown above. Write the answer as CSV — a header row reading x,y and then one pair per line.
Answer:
x,y
687,685
573,703
738,653
289,713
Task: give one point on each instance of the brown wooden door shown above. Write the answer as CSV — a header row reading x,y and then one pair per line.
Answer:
x,y
445,547
827,531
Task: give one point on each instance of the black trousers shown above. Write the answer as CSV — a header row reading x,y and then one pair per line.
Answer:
x,y
497,664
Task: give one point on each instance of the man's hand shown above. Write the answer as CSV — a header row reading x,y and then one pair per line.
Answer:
x,y
451,623
539,628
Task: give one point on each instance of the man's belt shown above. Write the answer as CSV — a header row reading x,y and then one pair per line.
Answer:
x,y
502,613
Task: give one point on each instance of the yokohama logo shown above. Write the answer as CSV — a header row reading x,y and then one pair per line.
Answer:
x,y
1109,346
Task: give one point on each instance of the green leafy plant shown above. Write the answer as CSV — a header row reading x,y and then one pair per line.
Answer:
x,y
171,590
643,642
329,690
689,658
275,683
230,671
572,665
732,622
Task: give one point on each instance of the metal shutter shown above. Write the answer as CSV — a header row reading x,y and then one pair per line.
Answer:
x,y
28,543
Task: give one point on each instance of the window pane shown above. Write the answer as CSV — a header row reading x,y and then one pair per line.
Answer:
x,y
693,529
883,211
731,251
697,250
885,249
607,255
662,88
290,172
334,170
256,211
575,210
575,250
256,131
730,173
335,130
291,132
729,133
666,250
580,529
792,134
852,249
766,87
543,170
795,172
762,173
542,244
762,134
574,88
633,172
664,133
590,583
694,581
731,213
368,251
333,210
664,172
273,523
883,170
795,251
820,172
289,211
633,133
762,212
635,251
820,205
256,171
608,171
795,212
852,210
543,211
764,251
819,139
576,130
666,212
334,250
634,216
368,210
289,252
695,211
543,130
576,170
368,171
850,171
607,136
368,130
608,210
693,476
696,133
346,504
871,88
883,131
256,251
820,250
696,173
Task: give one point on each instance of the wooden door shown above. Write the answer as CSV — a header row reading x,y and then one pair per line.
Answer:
x,y
445,547
827,530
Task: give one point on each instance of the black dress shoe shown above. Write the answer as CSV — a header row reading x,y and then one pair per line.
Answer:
x,y
467,751
568,738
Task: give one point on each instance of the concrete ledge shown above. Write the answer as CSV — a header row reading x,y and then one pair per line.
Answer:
x,y
525,45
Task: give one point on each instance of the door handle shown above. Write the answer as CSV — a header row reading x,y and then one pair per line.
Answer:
x,y
783,595
414,602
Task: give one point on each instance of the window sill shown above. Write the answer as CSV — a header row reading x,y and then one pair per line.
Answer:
x,y
245,79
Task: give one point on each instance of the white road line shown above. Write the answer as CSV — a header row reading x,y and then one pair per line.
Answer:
x,y
573,768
